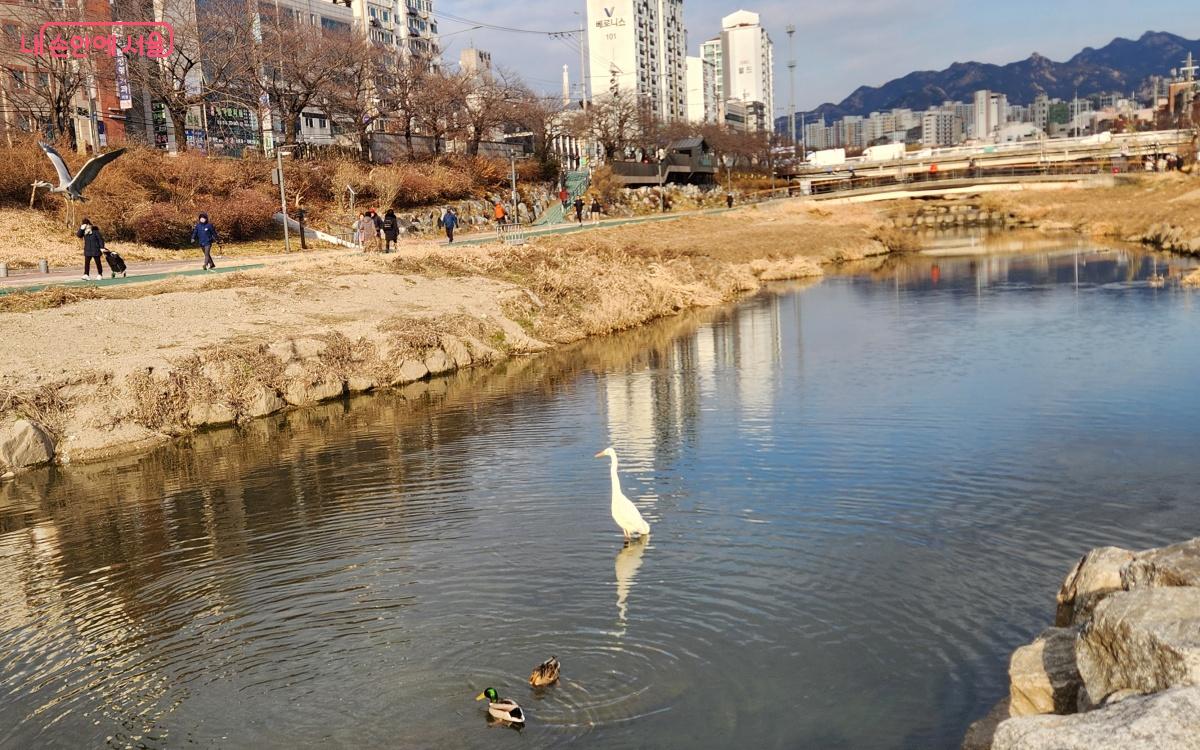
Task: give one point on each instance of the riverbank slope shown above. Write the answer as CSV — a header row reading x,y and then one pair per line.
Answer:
x,y
88,373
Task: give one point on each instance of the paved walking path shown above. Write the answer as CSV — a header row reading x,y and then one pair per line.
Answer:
x,y
139,272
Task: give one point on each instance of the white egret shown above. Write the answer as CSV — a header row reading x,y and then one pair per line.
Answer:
x,y
624,512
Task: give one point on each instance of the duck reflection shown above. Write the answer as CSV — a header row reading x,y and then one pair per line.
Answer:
x,y
629,559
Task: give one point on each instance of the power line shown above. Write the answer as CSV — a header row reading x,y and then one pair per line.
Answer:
x,y
497,27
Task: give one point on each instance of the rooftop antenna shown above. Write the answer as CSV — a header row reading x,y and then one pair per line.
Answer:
x,y
791,32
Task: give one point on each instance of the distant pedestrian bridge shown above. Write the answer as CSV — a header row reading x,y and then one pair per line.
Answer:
x,y
1045,163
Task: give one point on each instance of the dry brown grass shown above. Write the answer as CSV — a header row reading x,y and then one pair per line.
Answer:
x,y
46,299
1126,211
160,402
599,282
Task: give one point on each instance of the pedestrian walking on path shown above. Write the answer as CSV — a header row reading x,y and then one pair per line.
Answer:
x,y
729,200
450,222
579,209
206,234
377,220
364,231
564,197
500,213
93,245
596,209
391,230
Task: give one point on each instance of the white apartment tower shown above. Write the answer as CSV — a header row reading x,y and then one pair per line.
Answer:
x,y
748,64
639,46
941,128
713,54
701,91
991,114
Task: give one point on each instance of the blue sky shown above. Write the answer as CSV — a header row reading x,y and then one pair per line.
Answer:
x,y
841,44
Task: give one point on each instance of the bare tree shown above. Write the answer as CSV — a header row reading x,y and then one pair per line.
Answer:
x,y
613,119
40,88
207,65
300,67
437,105
403,93
363,90
488,101
543,117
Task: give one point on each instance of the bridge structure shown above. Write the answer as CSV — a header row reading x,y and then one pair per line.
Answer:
x,y
1039,164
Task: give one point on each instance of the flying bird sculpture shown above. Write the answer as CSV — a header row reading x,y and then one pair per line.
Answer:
x,y
72,187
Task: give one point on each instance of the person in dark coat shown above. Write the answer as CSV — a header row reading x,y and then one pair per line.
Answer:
x,y
579,209
596,209
93,246
391,229
729,200
450,222
206,234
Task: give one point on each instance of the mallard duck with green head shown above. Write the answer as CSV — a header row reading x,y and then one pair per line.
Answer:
x,y
502,708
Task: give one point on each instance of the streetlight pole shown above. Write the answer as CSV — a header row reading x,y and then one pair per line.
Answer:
x,y
791,31
512,160
287,237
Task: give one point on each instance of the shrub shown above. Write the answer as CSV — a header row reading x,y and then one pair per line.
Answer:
x,y
162,224
245,215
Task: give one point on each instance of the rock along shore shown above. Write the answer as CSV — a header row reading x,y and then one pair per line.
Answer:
x,y
1120,668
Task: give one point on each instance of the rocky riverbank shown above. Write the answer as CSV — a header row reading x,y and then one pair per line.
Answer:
x,y
1120,668
86,374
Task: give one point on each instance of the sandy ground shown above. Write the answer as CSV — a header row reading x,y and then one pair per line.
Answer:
x,y
115,368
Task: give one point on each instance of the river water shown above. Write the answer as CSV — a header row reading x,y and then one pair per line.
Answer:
x,y
863,492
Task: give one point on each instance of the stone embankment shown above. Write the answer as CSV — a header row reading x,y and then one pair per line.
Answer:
x,y
1120,668
948,215
1172,238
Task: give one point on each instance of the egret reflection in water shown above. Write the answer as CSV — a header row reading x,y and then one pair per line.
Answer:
x,y
629,560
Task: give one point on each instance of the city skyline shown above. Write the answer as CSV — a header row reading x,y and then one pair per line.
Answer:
x,y
848,39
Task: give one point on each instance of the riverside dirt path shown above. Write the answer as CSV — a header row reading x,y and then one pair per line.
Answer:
x,y
142,272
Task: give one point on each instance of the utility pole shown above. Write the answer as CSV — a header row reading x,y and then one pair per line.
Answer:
x,y
791,32
287,237
583,80
512,160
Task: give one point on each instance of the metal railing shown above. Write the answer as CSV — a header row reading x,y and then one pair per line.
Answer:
x,y
511,233
846,182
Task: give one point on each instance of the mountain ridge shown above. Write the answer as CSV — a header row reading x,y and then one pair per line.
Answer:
x,y
1122,65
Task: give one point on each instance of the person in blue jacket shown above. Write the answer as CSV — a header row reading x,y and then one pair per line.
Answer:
x,y
206,234
450,222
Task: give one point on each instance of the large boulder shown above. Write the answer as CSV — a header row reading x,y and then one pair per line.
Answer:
x,y
1166,721
262,401
1043,675
1177,565
23,445
411,370
1145,640
1097,574
302,393
438,363
210,415
981,734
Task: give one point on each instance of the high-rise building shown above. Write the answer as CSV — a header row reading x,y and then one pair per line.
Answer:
x,y
748,62
991,113
701,91
941,128
475,63
639,47
713,53
409,25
